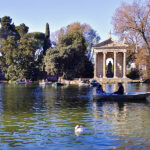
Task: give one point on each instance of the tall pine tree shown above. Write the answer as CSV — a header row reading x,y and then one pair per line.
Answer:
x,y
47,32
47,42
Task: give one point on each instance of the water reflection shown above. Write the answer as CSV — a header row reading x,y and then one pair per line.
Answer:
x,y
35,117
1,104
132,87
129,123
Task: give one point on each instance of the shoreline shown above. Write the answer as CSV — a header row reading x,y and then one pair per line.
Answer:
x,y
76,81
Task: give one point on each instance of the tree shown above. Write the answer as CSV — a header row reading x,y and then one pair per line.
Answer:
x,y
142,60
6,22
22,29
89,34
132,22
8,50
17,60
7,28
53,61
55,36
39,54
68,60
40,38
9,59
47,32
47,43
26,58
37,36
74,27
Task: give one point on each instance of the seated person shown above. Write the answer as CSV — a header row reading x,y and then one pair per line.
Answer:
x,y
99,89
120,89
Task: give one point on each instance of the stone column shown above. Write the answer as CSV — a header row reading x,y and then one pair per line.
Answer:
x,y
115,62
104,65
95,64
125,87
124,65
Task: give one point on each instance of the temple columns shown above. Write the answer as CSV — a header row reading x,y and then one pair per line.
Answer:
x,y
98,64
115,65
124,65
104,65
95,66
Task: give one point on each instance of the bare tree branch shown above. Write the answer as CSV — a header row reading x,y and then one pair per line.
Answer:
x,y
131,20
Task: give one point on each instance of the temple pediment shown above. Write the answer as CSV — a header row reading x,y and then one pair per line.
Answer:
x,y
110,44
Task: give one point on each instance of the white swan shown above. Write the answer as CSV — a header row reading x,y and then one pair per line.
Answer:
x,y
78,130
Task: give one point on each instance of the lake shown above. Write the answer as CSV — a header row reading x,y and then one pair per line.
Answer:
x,y
35,117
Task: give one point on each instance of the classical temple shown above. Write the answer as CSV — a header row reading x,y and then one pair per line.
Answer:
x,y
115,72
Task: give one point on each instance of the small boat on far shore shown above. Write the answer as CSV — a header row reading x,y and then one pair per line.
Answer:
x,y
20,82
59,84
44,82
126,97
84,83
23,81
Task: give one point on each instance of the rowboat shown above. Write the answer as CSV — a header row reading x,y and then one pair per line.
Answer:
x,y
126,97
20,82
23,82
59,84
84,83
45,83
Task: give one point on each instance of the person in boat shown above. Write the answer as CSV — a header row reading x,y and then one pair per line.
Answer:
x,y
120,89
59,80
99,89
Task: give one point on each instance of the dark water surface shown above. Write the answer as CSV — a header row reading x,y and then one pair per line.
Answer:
x,y
34,117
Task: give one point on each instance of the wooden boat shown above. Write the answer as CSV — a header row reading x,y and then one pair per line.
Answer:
x,y
20,82
23,82
126,97
45,83
59,84
83,83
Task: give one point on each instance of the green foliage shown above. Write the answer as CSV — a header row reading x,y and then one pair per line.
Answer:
x,y
36,35
47,32
7,28
86,70
18,58
8,50
134,74
22,29
22,57
52,62
47,43
69,60
88,33
6,22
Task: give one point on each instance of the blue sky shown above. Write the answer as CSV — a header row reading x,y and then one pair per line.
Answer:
x,y
58,13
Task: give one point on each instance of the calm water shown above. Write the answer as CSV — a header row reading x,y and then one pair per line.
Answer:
x,y
34,117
